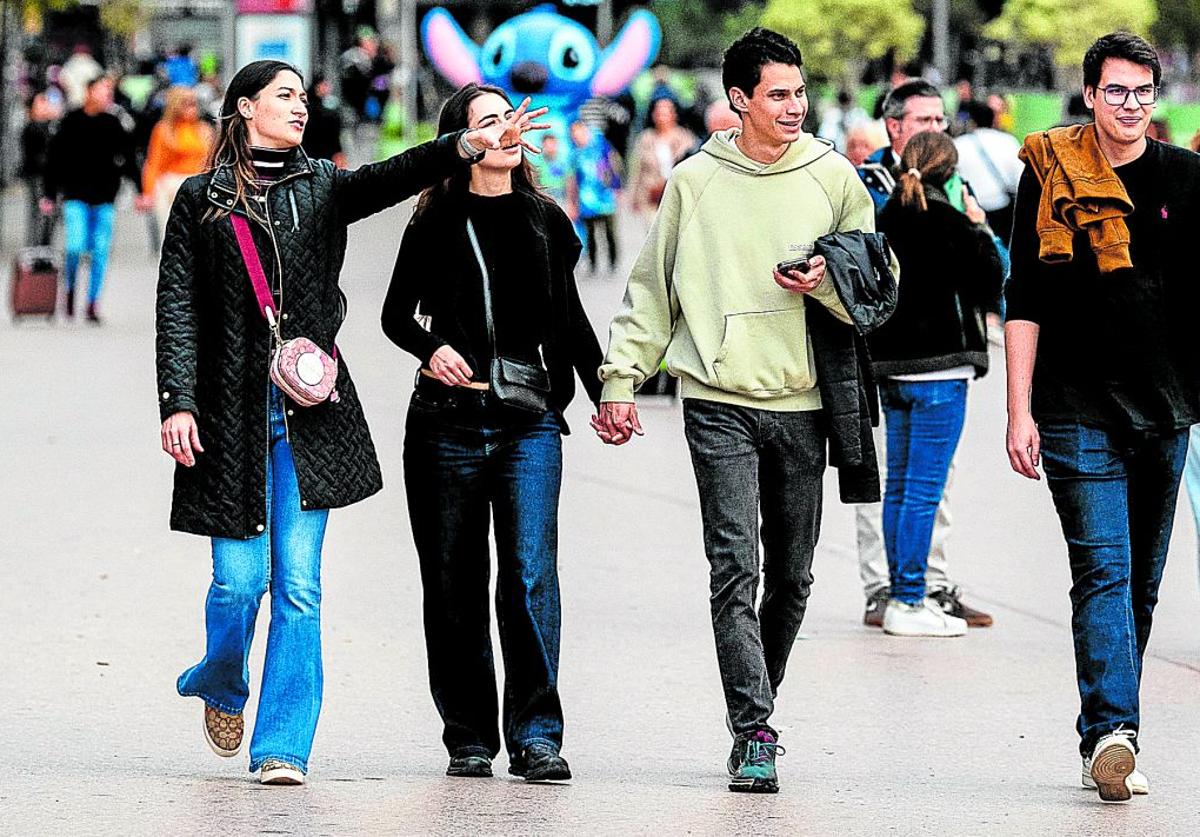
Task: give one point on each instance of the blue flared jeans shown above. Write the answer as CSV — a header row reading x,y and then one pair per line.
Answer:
x,y
286,560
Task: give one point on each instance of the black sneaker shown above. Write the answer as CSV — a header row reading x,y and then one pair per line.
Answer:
x,y
756,773
540,763
951,602
472,766
876,605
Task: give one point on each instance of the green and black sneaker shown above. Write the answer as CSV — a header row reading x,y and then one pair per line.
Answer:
x,y
755,771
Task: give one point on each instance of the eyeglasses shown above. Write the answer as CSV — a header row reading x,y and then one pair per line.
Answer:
x,y
1116,95
927,121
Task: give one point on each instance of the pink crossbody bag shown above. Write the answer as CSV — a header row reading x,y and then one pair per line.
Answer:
x,y
299,367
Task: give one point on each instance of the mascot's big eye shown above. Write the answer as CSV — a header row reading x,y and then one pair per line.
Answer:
x,y
499,51
572,54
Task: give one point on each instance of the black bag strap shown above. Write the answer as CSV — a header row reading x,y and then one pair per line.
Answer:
x,y
487,287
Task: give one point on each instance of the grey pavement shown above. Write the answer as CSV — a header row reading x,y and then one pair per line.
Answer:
x,y
102,608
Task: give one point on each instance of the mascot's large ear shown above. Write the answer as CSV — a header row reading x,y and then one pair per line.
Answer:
x,y
453,54
633,50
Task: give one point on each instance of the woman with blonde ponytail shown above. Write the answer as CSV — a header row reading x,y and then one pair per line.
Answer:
x,y
923,357
256,471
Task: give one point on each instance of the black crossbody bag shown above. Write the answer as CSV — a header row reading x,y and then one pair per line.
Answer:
x,y
514,382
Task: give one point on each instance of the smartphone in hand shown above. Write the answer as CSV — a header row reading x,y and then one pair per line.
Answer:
x,y
793,264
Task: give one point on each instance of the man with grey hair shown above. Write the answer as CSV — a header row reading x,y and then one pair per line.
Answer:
x,y
911,108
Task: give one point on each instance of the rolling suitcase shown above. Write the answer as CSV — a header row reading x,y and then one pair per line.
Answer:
x,y
35,276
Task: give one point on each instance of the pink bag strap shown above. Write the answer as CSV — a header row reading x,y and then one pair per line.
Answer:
x,y
245,240
258,278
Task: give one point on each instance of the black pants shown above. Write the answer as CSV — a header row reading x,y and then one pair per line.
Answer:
x,y
469,466
592,226
750,462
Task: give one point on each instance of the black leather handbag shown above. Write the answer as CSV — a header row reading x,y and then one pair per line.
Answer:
x,y
515,382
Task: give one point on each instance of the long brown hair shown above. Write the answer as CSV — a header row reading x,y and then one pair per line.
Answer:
x,y
929,159
453,118
232,148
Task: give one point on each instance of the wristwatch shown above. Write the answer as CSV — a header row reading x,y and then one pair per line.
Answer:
x,y
470,154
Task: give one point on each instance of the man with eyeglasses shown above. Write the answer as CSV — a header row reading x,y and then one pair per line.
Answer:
x,y
912,107
1103,379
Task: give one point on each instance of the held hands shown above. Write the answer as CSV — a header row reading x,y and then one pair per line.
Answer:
x,y
181,438
617,422
1024,445
143,203
511,131
449,367
802,283
46,206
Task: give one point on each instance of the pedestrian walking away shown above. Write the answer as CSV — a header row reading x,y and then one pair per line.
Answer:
x,y
256,471
489,260
1103,383
707,292
89,154
911,108
934,343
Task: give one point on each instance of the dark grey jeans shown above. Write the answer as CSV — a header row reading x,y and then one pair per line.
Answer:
x,y
749,463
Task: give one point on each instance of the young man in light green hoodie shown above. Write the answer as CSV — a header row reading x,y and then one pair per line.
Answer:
x,y
706,294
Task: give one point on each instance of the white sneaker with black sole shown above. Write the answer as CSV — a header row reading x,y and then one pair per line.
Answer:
x,y
1112,764
923,619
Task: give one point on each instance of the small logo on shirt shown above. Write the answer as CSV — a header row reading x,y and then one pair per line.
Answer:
x,y
799,248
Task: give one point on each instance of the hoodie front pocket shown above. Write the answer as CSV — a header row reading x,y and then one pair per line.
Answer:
x,y
764,354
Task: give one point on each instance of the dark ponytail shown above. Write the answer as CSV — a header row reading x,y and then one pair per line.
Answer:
x,y
929,159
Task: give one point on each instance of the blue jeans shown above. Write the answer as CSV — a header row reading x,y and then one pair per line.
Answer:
x,y
465,460
924,422
1115,495
286,559
87,228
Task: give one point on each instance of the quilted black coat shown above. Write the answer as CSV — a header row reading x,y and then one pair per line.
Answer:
x,y
213,344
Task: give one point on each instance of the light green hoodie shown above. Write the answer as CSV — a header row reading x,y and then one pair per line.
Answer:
x,y
702,292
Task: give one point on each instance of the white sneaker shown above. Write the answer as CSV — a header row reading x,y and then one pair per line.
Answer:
x,y
1112,764
924,619
275,772
1139,785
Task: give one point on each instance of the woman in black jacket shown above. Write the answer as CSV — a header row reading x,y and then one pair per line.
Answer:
x,y
256,471
923,357
471,454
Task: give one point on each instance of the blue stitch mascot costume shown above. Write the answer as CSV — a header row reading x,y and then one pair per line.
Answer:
x,y
544,55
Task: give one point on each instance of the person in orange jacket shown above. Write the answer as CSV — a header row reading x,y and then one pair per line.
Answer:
x,y
179,145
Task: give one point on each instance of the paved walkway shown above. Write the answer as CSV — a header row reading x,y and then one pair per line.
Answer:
x,y
102,609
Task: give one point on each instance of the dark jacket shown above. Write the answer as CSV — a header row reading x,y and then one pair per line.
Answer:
x,y
437,270
213,344
87,157
857,264
951,273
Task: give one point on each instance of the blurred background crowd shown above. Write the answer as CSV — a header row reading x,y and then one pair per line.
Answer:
x,y
1004,67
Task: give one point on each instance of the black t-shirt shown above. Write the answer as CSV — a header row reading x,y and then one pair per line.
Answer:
x,y
1117,350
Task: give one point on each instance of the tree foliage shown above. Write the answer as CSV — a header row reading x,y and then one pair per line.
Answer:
x,y
697,33
1068,27
1178,24
835,35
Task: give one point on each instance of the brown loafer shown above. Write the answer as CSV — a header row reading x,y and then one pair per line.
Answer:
x,y
223,732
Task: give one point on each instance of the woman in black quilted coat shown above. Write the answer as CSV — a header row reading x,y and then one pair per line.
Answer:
x,y
256,472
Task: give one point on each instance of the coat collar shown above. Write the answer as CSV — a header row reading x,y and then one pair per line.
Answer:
x,y
222,189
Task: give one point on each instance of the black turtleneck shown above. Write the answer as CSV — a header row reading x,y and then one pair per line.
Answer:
x,y
270,163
